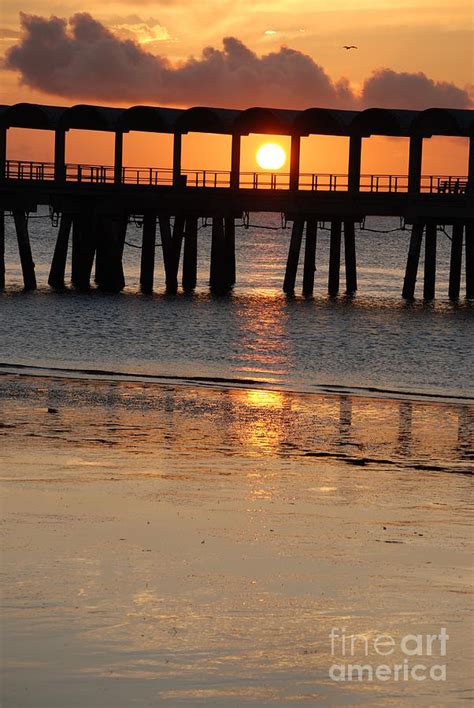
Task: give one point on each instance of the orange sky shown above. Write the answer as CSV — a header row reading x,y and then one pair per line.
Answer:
x,y
421,35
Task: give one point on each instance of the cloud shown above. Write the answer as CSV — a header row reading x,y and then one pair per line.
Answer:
x,y
81,59
385,87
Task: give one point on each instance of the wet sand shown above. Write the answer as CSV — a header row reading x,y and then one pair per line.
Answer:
x,y
173,545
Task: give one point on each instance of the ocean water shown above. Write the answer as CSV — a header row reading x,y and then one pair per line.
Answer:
x,y
372,342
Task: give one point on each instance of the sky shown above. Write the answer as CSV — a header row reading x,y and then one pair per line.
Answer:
x,y
238,53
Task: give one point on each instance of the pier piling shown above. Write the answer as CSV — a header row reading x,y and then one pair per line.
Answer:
x,y
218,280
456,261
58,264
334,258
2,250
470,260
413,259
175,255
147,263
168,254
309,257
190,255
24,248
83,249
110,242
429,281
229,236
350,257
293,257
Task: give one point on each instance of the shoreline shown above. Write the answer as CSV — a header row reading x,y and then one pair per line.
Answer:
x,y
229,383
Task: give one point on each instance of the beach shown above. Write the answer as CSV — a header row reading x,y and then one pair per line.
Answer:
x,y
183,545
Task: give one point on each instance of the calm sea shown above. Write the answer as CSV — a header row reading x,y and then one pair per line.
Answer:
x,y
374,341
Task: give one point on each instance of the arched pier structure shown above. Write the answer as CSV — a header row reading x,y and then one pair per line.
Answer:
x,y
95,202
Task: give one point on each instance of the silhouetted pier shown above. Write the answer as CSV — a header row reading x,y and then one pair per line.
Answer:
x,y
94,203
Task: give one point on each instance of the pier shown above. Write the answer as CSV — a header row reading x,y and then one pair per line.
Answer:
x,y
94,203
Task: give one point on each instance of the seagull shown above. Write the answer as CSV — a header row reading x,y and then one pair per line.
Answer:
x,y
350,46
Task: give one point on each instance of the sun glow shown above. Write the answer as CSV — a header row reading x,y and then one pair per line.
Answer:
x,y
271,156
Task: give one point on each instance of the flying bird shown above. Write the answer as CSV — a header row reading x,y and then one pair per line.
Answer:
x,y
350,46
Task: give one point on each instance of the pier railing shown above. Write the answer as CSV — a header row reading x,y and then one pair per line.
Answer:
x,y
213,179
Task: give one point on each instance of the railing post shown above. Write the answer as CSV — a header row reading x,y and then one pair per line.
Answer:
x,y
295,153
414,164
177,149
60,155
118,157
235,162
355,156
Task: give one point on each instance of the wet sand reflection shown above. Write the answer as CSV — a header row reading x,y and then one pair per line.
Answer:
x,y
185,546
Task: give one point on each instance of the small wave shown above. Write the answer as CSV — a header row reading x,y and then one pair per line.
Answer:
x,y
7,368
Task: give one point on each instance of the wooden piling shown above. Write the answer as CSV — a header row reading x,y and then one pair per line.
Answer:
x,y
334,258
470,260
2,250
350,257
190,254
83,249
309,257
218,280
147,263
229,238
58,265
168,253
110,239
456,261
24,248
176,245
413,259
429,281
293,256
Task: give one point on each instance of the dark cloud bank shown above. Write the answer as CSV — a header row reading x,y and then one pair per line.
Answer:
x,y
82,59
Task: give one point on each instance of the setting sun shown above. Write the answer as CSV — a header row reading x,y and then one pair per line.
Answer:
x,y
271,156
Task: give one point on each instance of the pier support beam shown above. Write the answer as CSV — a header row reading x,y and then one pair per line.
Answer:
x,y
309,257
470,260
355,155
334,258
3,151
429,281
414,163
350,257
190,255
456,261
293,257
24,248
235,162
83,250
110,238
413,259
58,265
470,172
177,148
59,155
147,262
118,157
295,150
2,250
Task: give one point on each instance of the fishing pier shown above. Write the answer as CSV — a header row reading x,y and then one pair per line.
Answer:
x,y
94,203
